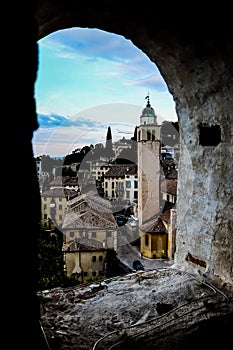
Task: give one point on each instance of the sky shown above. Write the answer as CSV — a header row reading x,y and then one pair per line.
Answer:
x,y
87,80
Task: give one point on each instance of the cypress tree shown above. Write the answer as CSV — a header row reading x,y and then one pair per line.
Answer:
x,y
108,147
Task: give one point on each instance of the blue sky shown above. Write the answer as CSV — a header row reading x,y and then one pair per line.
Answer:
x,y
90,79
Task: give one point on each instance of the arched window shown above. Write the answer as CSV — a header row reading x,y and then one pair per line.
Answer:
x,y
153,135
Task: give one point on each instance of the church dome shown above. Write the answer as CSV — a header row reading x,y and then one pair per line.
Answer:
x,y
148,111
148,115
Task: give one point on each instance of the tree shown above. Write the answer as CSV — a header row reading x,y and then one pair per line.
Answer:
x,y
51,272
108,146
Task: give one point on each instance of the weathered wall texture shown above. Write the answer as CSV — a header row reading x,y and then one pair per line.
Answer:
x,y
193,51
203,92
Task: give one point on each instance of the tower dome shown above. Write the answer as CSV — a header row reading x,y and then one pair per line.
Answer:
x,y
148,115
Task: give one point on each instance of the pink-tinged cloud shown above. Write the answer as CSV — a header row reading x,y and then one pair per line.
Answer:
x,y
152,82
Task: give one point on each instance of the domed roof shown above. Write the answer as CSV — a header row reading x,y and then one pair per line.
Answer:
x,y
148,111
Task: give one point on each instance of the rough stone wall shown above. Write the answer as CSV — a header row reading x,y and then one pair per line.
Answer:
x,y
203,92
148,180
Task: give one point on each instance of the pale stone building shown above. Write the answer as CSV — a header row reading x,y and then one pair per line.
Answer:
x,y
148,141
121,182
53,203
89,225
85,258
120,145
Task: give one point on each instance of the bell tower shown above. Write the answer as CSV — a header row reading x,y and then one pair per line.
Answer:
x,y
148,145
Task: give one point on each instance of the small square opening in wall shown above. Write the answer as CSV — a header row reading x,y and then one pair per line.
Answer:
x,y
209,135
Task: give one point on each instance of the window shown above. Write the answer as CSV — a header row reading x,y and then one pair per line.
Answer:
x,y
93,258
128,184
45,206
139,135
100,258
153,135
147,240
93,235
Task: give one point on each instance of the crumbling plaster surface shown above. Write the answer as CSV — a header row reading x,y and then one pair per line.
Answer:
x,y
204,208
170,308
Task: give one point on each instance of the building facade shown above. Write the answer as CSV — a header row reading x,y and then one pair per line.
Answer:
x,y
148,144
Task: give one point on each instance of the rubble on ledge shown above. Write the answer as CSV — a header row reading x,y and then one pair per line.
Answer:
x,y
165,308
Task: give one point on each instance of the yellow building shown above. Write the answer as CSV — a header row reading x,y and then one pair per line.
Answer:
x,y
53,203
154,239
85,258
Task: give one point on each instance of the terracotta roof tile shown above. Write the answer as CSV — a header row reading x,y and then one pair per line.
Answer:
x,y
85,244
89,211
119,170
155,225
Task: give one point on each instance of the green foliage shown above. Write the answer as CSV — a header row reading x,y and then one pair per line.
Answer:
x,y
67,171
51,271
113,264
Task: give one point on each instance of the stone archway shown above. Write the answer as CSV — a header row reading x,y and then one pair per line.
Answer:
x,y
197,68
195,57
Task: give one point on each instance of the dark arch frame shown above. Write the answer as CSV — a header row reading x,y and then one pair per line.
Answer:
x,y
159,39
